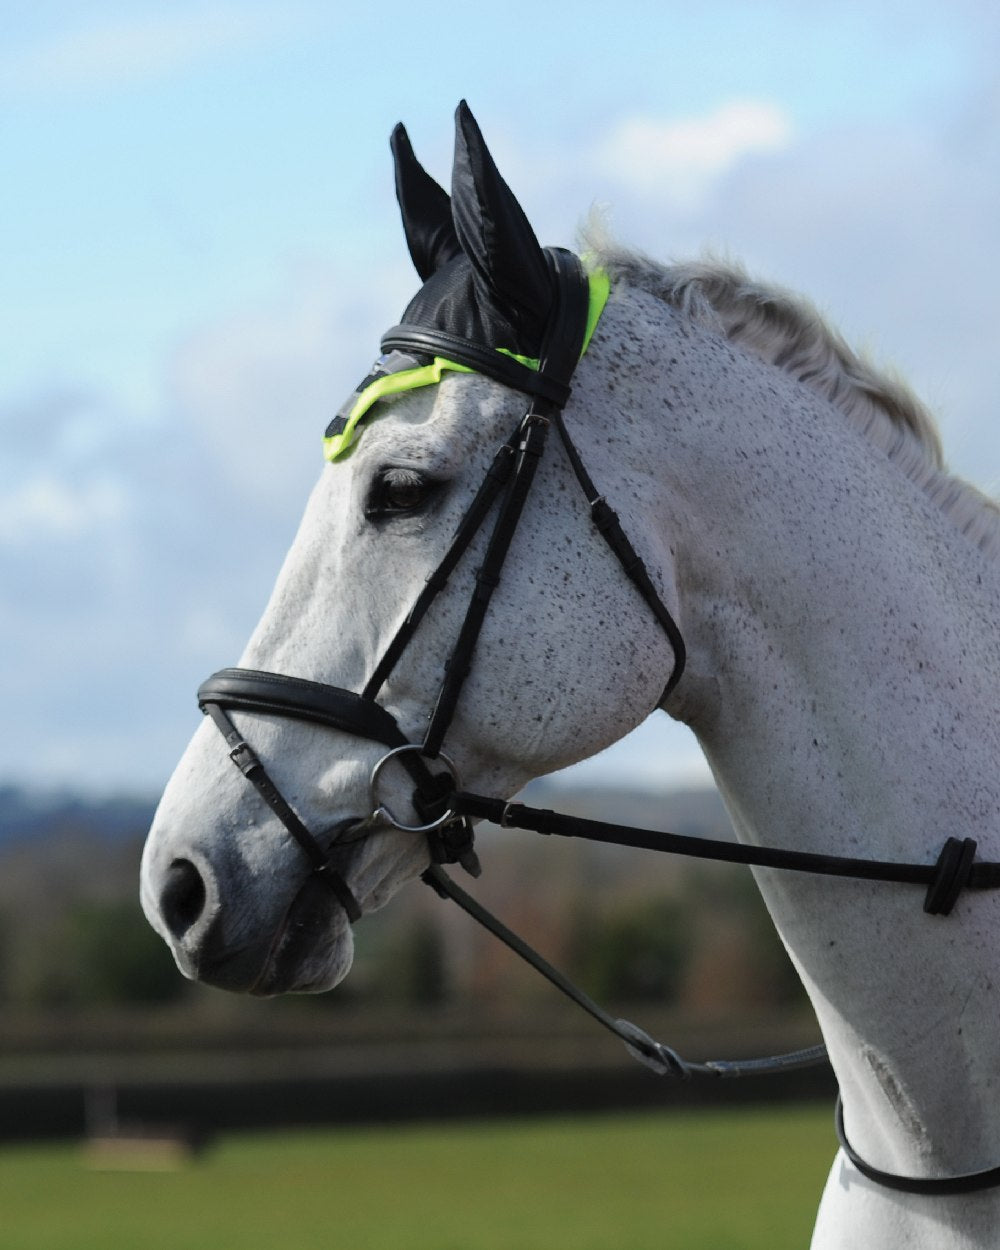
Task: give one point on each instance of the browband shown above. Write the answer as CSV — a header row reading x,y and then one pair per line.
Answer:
x,y
486,360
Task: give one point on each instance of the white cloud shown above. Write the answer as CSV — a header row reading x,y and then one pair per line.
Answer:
x,y
45,507
683,158
136,49
259,387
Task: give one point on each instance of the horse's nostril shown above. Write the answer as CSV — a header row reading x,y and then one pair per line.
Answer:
x,y
183,898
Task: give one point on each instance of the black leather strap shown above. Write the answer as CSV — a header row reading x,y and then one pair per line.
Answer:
x,y
257,691
656,1055
566,330
560,353
485,360
496,478
954,870
609,526
487,579
253,690
929,1186
247,761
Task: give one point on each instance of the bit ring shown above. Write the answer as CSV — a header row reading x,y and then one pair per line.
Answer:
x,y
379,809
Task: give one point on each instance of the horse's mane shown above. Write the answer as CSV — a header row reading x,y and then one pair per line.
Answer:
x,y
787,331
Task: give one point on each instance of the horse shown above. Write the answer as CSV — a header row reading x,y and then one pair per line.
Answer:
x,y
808,589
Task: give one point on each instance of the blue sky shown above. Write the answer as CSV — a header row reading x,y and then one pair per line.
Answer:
x,y
201,248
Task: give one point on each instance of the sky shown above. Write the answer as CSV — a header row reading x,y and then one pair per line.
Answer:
x,y
201,249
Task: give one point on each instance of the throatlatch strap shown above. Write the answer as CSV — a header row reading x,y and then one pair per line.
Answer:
x,y
609,526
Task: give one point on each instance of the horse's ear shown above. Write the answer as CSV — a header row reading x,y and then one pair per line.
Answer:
x,y
495,234
426,209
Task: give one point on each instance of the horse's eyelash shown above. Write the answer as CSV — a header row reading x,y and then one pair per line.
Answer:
x,y
400,476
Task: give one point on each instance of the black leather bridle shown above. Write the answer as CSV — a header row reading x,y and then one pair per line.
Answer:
x,y
508,480
446,810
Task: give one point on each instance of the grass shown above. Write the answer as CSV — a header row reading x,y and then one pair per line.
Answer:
x,y
744,1180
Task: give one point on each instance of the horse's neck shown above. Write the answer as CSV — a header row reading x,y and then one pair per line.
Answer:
x,y
848,629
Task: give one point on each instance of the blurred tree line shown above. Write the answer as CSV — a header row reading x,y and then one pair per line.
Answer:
x,y
630,927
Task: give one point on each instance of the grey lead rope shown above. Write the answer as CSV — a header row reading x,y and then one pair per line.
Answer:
x,y
661,1058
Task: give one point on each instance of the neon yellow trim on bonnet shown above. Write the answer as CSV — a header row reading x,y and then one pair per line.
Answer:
x,y
600,289
337,445
389,384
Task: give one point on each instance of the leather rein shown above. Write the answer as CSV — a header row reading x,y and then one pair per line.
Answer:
x,y
445,810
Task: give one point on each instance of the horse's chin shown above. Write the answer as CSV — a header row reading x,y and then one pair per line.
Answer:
x,y
312,949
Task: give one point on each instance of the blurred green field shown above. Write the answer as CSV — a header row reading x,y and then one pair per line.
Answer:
x,y
734,1180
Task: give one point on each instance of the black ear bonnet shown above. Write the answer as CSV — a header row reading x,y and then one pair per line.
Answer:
x,y
493,301
485,276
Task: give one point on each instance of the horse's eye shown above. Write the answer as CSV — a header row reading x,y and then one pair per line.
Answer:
x,y
398,491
